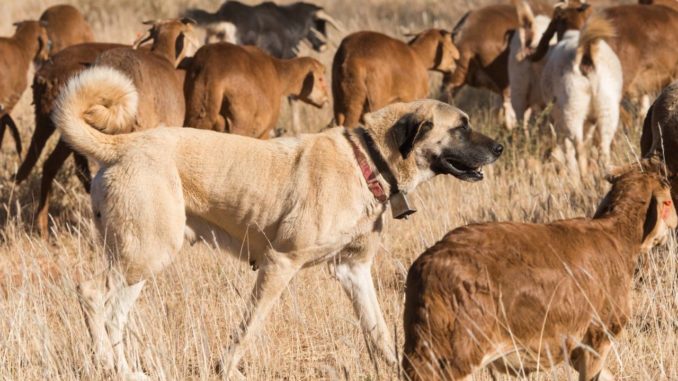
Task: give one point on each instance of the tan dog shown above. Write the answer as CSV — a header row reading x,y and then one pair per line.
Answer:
x,y
296,201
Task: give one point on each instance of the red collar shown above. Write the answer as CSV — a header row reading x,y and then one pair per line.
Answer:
x,y
370,176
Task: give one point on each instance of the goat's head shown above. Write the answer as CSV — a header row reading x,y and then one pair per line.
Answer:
x,y
314,88
36,35
444,51
569,15
173,34
645,183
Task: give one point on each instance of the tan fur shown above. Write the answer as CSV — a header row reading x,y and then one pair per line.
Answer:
x,y
28,43
295,202
371,70
518,295
238,89
65,26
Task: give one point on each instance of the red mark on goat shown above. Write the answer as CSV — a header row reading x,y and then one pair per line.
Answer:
x,y
666,210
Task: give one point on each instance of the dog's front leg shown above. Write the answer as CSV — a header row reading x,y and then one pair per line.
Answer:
x,y
353,272
272,279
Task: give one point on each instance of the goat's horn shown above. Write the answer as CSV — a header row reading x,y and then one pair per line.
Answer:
x,y
318,35
143,38
188,20
149,22
322,15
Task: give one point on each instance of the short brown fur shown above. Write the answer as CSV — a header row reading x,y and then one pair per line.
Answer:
x,y
29,43
483,288
238,89
65,26
371,70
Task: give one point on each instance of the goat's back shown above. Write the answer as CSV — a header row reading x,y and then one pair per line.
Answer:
x,y
540,282
158,85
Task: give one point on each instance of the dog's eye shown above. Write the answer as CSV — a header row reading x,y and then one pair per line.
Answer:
x,y
464,125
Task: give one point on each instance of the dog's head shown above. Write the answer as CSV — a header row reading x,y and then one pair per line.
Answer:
x,y
426,138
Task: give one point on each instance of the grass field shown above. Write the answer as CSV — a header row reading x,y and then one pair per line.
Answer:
x,y
184,317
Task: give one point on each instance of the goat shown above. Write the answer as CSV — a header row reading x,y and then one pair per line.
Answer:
x,y
276,29
153,72
29,43
481,38
371,70
645,35
237,89
65,26
48,83
583,77
521,296
525,75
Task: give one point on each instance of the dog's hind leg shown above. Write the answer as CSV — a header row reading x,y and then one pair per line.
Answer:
x,y
272,279
92,298
353,271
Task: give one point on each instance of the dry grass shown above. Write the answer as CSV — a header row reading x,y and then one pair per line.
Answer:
x,y
185,316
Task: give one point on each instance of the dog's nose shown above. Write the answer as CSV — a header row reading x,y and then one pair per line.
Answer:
x,y
497,149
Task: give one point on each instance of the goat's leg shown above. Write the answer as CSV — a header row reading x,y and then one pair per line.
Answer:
x,y
354,273
82,171
296,122
591,365
43,130
510,118
272,279
14,130
607,124
49,171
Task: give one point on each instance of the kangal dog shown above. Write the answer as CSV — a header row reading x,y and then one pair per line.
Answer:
x,y
296,201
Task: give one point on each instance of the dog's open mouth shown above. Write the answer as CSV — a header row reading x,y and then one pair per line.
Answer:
x,y
461,170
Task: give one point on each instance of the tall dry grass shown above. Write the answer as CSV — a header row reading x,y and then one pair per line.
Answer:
x,y
185,315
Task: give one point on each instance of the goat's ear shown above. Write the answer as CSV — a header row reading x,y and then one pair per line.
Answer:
x,y
659,219
309,82
179,45
407,131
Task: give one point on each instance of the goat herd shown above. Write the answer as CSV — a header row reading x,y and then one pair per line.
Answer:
x,y
320,198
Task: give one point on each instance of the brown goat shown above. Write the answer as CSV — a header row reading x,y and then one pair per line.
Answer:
x,y
29,43
154,73
48,83
65,26
163,103
645,40
521,296
238,89
372,70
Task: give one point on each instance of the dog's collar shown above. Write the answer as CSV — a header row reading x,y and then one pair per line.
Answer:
x,y
380,163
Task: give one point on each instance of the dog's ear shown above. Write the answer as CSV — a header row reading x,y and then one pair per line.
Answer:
x,y
659,219
408,131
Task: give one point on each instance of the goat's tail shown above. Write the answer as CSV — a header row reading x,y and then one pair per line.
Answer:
x,y
594,31
95,104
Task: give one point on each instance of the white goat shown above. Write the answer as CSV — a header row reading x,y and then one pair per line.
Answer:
x,y
525,75
583,77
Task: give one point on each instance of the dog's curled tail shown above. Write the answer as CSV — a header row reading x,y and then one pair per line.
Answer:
x,y
96,104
